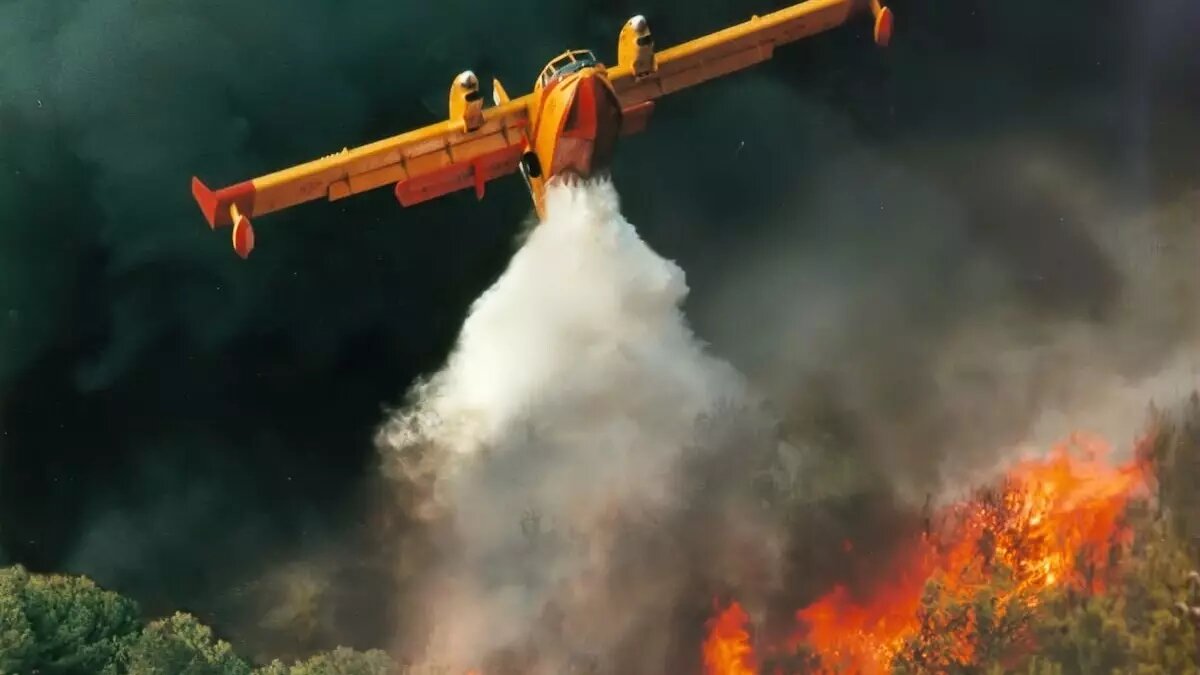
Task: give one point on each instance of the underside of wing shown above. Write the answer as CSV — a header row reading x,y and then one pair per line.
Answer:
x,y
425,161
466,165
473,146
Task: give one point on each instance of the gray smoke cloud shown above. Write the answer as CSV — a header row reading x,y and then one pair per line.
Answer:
x,y
949,312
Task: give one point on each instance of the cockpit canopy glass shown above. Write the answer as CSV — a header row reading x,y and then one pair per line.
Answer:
x,y
568,62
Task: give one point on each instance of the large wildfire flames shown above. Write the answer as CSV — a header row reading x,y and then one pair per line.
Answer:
x,y
1052,521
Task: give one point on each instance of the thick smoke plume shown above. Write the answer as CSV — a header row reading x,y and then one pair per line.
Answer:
x,y
556,442
940,329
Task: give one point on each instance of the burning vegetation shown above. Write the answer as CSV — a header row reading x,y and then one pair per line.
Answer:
x,y
1047,522
727,649
1069,563
1073,563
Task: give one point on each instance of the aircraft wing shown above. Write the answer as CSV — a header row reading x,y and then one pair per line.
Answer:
x,y
736,48
422,164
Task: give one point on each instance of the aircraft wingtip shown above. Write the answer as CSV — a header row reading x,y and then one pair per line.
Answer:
x,y
206,199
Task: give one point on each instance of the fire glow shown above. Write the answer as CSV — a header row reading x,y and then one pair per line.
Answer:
x,y
1050,521
727,651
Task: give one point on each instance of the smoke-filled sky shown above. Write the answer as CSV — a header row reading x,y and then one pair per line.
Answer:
x,y
965,241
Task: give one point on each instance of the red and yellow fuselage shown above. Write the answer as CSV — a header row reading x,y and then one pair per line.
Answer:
x,y
575,121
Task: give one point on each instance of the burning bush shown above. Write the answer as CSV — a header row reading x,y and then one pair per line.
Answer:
x,y
1069,564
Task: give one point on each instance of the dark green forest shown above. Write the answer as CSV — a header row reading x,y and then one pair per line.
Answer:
x,y
56,624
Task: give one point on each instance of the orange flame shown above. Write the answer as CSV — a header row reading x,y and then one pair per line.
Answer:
x,y
727,650
1052,521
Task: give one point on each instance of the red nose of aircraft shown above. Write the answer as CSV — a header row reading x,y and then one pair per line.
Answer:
x,y
594,117
582,119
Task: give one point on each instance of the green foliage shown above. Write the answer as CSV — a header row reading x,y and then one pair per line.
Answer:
x,y
181,645
60,624
968,632
1136,627
341,661
275,667
1087,636
63,625
1175,451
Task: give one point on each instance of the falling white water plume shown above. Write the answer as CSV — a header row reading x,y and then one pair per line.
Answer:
x,y
571,396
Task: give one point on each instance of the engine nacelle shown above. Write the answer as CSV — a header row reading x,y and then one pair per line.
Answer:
x,y
635,47
466,103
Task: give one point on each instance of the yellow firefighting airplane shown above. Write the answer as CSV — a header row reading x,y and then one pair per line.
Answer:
x,y
569,124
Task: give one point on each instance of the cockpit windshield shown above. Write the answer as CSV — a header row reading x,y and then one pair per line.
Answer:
x,y
568,62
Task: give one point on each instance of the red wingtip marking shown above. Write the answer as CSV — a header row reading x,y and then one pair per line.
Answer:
x,y
207,200
243,237
215,204
883,27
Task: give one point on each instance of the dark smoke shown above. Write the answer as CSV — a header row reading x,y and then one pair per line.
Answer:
x,y
967,244
929,246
